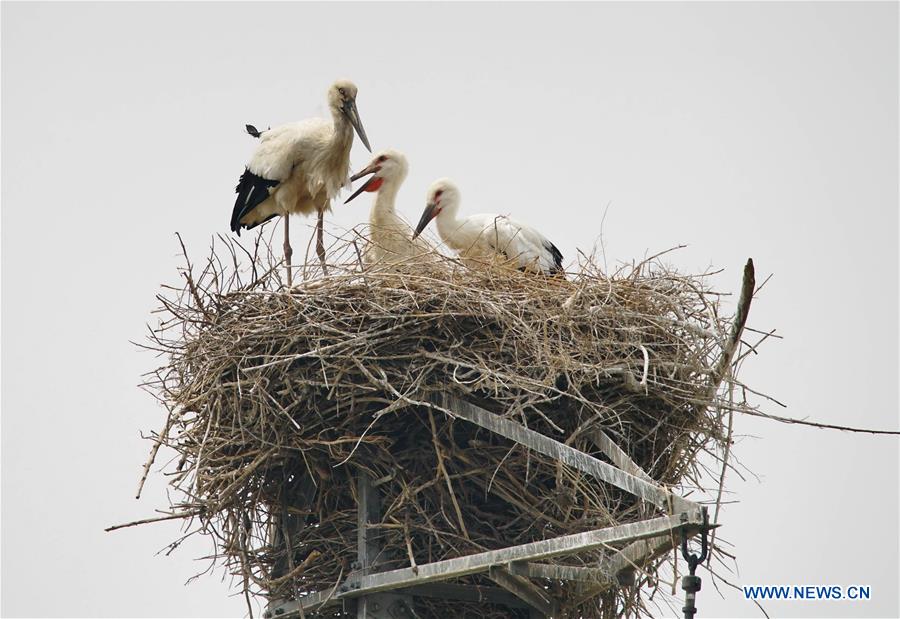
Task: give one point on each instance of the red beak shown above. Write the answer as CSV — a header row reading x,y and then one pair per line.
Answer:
x,y
370,185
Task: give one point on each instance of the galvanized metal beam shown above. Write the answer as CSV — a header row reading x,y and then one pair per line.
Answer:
x,y
368,513
483,561
593,575
285,527
369,554
523,589
465,593
387,605
638,554
585,463
618,455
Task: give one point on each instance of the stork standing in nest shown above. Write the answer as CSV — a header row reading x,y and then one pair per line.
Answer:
x,y
487,237
390,236
299,168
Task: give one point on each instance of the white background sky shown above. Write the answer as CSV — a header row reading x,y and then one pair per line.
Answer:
x,y
763,130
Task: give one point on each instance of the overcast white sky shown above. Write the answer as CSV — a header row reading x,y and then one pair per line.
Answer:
x,y
763,130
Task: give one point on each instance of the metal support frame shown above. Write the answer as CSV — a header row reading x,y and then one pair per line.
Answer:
x,y
386,605
512,567
482,562
286,526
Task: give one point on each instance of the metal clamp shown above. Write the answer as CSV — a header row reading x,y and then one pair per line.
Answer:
x,y
691,583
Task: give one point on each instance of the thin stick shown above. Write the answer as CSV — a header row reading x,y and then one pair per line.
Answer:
x,y
443,471
153,452
288,251
813,424
737,328
727,452
149,520
409,550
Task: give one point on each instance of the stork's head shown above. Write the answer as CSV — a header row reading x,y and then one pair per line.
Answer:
x,y
342,101
442,196
388,166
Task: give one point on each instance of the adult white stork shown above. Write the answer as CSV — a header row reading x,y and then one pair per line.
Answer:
x,y
299,168
487,236
390,236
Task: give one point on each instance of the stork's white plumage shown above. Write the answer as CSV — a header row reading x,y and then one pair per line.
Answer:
x,y
487,237
390,236
300,167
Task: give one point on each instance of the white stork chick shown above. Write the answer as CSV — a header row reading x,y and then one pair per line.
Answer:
x,y
299,167
487,237
391,236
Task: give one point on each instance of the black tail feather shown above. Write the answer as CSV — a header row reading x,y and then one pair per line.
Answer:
x,y
557,257
251,190
254,131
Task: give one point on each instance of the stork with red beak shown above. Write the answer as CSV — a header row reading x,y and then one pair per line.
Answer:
x,y
390,235
486,237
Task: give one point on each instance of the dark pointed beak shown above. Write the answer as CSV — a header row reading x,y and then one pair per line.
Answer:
x,y
427,216
371,169
353,116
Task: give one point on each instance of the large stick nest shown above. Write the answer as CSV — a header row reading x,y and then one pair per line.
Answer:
x,y
280,398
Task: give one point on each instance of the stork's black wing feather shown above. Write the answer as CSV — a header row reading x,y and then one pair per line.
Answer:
x,y
557,257
251,190
258,223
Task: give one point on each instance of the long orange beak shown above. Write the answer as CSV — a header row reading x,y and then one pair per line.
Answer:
x,y
370,184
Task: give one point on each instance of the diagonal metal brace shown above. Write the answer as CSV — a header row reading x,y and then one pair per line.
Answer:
x,y
585,463
524,589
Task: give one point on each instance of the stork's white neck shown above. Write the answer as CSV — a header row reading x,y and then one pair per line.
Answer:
x,y
343,130
385,199
448,223
336,157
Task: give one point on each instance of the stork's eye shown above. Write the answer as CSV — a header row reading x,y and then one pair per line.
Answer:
x,y
382,159
437,194
341,90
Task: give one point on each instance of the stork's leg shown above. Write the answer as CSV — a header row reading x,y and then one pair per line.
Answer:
x,y
288,251
320,241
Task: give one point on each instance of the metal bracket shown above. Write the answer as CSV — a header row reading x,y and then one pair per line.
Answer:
x,y
385,606
524,589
